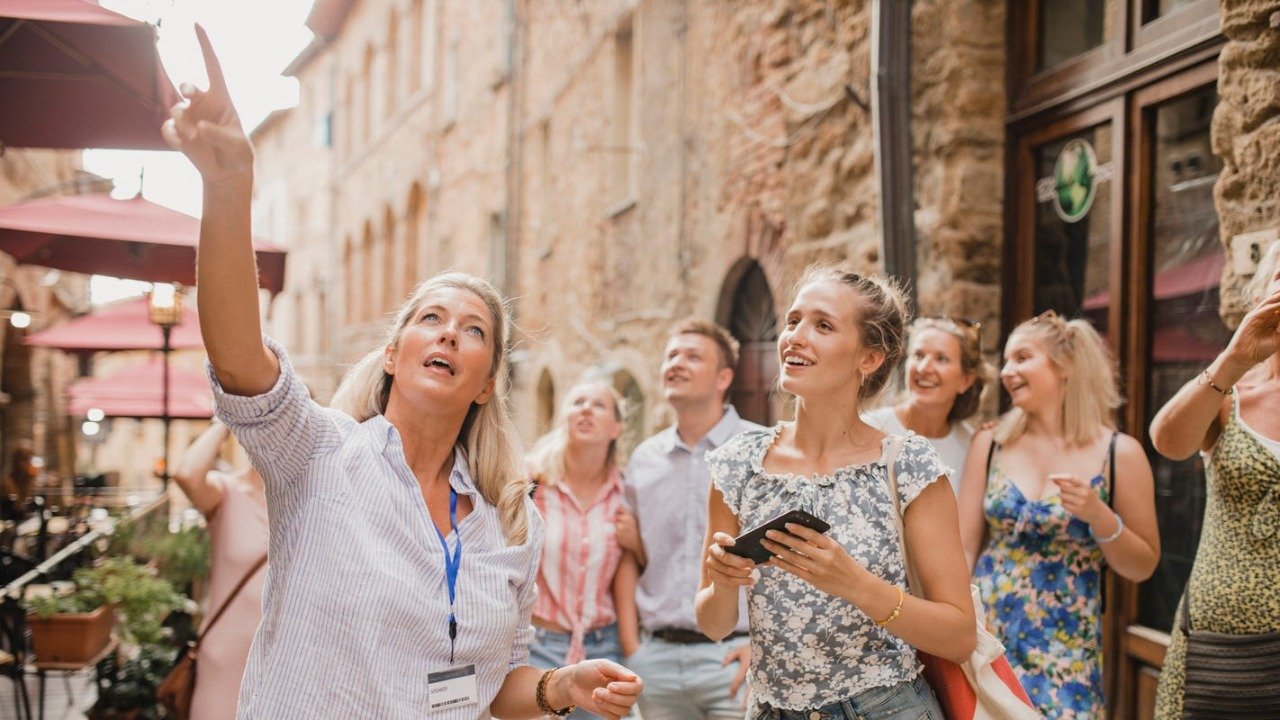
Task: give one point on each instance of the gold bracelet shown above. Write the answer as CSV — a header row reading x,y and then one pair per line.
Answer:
x,y
541,697
896,611
1206,380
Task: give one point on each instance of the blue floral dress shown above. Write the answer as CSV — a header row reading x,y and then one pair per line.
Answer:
x,y
810,649
1040,581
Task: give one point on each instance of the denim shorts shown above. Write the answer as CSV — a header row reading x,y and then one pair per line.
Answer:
x,y
912,700
549,649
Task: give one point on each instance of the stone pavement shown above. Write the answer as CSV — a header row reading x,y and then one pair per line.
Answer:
x,y
59,704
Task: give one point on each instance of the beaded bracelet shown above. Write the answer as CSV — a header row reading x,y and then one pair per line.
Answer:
x,y
1112,536
1205,379
541,697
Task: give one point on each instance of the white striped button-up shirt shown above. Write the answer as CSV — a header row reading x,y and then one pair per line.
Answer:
x,y
355,611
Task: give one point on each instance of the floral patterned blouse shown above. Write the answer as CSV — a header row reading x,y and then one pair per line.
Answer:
x,y
808,648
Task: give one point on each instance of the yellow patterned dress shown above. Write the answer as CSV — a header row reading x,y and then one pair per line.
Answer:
x,y
1235,581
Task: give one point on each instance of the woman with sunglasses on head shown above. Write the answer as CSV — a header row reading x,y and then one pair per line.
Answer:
x,y
833,629
1051,494
404,547
946,379
1231,414
586,584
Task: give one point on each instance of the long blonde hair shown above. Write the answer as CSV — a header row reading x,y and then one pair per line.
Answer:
x,y
1091,395
546,459
488,435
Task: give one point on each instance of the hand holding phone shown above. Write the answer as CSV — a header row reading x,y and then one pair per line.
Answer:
x,y
748,544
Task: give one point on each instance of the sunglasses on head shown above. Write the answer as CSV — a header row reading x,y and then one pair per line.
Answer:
x,y
969,327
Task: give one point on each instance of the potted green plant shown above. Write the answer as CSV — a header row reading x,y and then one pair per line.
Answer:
x,y
69,628
73,627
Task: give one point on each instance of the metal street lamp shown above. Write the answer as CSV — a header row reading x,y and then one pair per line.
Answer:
x,y
165,305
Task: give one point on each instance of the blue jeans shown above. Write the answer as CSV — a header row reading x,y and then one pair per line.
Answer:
x,y
905,701
687,682
549,649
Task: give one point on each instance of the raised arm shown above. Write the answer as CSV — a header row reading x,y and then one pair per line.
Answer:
x,y
1190,420
206,129
192,473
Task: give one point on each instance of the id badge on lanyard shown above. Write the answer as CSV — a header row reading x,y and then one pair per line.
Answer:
x,y
455,686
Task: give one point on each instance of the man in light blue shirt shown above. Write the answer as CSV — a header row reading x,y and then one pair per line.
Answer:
x,y
687,676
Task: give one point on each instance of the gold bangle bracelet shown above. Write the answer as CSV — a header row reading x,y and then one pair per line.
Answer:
x,y
896,611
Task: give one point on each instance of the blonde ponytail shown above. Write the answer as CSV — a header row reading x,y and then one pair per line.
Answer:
x,y
488,433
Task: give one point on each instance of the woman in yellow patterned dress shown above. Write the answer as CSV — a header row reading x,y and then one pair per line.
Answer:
x,y
1231,413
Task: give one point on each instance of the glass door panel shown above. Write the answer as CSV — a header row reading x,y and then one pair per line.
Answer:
x,y
1073,225
1184,330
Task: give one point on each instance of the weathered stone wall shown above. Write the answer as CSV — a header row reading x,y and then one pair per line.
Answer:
x,y
958,109
1246,131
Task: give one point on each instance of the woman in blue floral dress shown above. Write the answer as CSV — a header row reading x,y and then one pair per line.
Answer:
x,y
833,631
1042,511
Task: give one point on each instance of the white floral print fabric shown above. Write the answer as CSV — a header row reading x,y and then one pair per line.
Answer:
x,y
808,648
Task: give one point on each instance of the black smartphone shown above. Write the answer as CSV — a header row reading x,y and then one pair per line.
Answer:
x,y
748,544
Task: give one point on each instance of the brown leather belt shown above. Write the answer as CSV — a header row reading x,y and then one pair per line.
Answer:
x,y
680,636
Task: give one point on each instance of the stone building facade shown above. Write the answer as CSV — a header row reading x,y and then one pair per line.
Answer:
x,y
594,145
619,164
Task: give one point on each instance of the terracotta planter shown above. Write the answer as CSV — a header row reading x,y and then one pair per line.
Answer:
x,y
72,637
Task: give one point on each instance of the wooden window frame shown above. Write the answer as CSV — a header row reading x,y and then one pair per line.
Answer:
x,y
1135,48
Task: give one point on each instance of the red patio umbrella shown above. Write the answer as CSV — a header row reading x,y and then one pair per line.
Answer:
x,y
135,239
125,325
136,392
74,75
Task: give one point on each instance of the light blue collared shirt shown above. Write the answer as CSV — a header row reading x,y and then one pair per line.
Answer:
x,y
355,610
667,485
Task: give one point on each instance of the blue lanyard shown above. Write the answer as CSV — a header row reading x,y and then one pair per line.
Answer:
x,y
451,566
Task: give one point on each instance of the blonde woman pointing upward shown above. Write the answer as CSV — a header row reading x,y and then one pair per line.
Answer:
x,y
404,548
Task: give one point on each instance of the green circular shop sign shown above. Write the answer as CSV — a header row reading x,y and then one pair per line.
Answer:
x,y
1075,180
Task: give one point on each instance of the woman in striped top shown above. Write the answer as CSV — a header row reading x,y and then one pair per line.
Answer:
x,y
403,545
586,601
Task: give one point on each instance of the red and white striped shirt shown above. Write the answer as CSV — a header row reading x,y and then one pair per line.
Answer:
x,y
579,559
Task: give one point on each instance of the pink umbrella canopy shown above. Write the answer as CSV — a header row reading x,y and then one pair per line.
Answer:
x,y
136,392
135,239
125,325
75,75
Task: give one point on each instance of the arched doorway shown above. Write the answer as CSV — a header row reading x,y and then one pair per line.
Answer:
x,y
633,412
747,310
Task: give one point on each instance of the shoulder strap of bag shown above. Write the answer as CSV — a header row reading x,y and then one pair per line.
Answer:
x,y
227,603
1111,469
891,460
